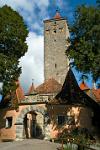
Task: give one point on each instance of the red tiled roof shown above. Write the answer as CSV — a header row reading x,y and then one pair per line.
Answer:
x,y
49,86
83,86
57,16
31,89
19,92
96,93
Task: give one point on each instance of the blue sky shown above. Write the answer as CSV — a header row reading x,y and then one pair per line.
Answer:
x,y
34,12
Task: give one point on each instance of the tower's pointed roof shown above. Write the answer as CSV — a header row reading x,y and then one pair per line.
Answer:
x,y
70,91
13,97
19,92
83,86
72,94
32,89
57,15
49,86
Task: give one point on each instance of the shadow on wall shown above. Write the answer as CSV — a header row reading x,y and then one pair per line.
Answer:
x,y
31,128
72,120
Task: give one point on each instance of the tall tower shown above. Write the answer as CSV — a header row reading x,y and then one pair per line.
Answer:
x,y
56,34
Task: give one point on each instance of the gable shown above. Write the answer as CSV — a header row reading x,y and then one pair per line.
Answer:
x,y
72,94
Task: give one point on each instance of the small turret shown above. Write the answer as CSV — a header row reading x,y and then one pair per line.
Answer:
x,y
57,15
32,90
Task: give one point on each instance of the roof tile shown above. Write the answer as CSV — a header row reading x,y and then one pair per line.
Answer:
x,y
49,86
32,89
57,15
83,86
96,93
19,92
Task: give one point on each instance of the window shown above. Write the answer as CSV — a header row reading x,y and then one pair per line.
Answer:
x,y
8,122
61,120
54,31
48,31
69,120
55,65
55,22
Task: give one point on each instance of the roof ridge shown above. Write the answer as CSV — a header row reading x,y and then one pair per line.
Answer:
x,y
49,86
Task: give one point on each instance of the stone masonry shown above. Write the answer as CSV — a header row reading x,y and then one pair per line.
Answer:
x,y
19,121
56,34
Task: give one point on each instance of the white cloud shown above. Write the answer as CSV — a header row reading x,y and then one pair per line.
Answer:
x,y
15,4
31,10
32,62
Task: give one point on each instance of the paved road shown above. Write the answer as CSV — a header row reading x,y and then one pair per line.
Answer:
x,y
29,144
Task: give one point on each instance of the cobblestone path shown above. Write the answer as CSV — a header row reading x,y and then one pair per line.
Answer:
x,y
28,144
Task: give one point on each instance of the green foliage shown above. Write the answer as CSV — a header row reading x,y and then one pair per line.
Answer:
x,y
98,3
13,33
68,147
85,41
77,136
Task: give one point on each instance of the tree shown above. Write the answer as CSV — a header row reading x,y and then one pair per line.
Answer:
x,y
13,33
85,40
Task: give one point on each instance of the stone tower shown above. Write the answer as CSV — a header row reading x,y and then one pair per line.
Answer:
x,y
56,34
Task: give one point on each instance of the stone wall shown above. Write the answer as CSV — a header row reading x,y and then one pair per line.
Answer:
x,y
38,109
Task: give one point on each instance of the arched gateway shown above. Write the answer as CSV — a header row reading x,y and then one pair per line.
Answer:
x,y
20,119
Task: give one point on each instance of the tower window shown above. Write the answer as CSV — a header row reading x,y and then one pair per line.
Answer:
x,y
8,122
54,31
55,65
47,31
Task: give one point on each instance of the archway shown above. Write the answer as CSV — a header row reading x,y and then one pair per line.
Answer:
x,y
20,122
29,123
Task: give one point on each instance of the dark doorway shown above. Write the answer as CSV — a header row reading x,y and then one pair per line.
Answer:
x,y
25,127
31,127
